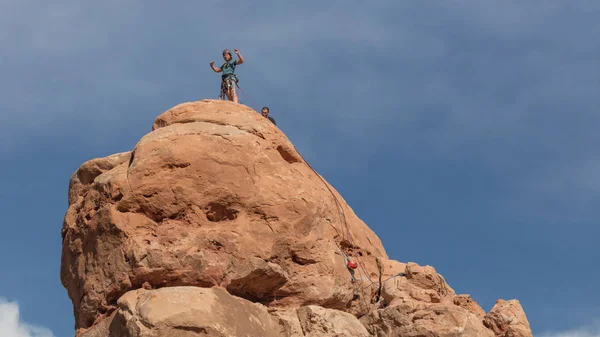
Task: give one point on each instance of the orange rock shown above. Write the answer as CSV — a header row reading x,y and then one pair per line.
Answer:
x,y
214,195
468,303
507,318
215,225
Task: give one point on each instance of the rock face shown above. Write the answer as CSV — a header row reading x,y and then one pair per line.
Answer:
x,y
214,225
507,319
191,311
422,304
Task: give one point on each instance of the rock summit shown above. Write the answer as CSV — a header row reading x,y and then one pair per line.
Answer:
x,y
215,225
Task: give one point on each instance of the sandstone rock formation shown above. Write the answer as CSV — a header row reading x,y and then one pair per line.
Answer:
x,y
214,225
507,319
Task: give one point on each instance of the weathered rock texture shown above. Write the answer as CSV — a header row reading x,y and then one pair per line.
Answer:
x,y
214,225
508,319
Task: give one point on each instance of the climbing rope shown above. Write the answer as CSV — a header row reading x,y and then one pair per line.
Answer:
x,y
251,100
380,283
342,216
131,157
380,270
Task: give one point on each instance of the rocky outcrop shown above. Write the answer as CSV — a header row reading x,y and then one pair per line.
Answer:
x,y
317,321
465,301
507,319
191,311
423,304
213,215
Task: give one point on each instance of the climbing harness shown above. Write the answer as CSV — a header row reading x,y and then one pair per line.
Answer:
x,y
227,82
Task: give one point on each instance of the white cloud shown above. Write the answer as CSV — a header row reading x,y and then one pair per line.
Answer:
x,y
12,326
588,330
573,333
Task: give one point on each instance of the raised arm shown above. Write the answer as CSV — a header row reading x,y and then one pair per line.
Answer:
x,y
215,69
240,58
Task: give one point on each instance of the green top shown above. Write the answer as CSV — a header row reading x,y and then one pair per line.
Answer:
x,y
229,68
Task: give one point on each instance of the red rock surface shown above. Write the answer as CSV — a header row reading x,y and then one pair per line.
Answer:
x,y
216,197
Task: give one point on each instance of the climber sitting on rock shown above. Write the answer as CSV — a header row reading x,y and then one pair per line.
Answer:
x,y
228,79
265,113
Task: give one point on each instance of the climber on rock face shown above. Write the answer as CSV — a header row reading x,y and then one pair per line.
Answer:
x,y
265,113
228,79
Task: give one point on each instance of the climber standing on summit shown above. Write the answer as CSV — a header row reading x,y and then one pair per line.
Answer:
x,y
228,79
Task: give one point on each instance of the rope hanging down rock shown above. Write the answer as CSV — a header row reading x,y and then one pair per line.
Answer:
x,y
343,219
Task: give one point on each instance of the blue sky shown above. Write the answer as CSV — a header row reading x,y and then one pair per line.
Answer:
x,y
463,132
